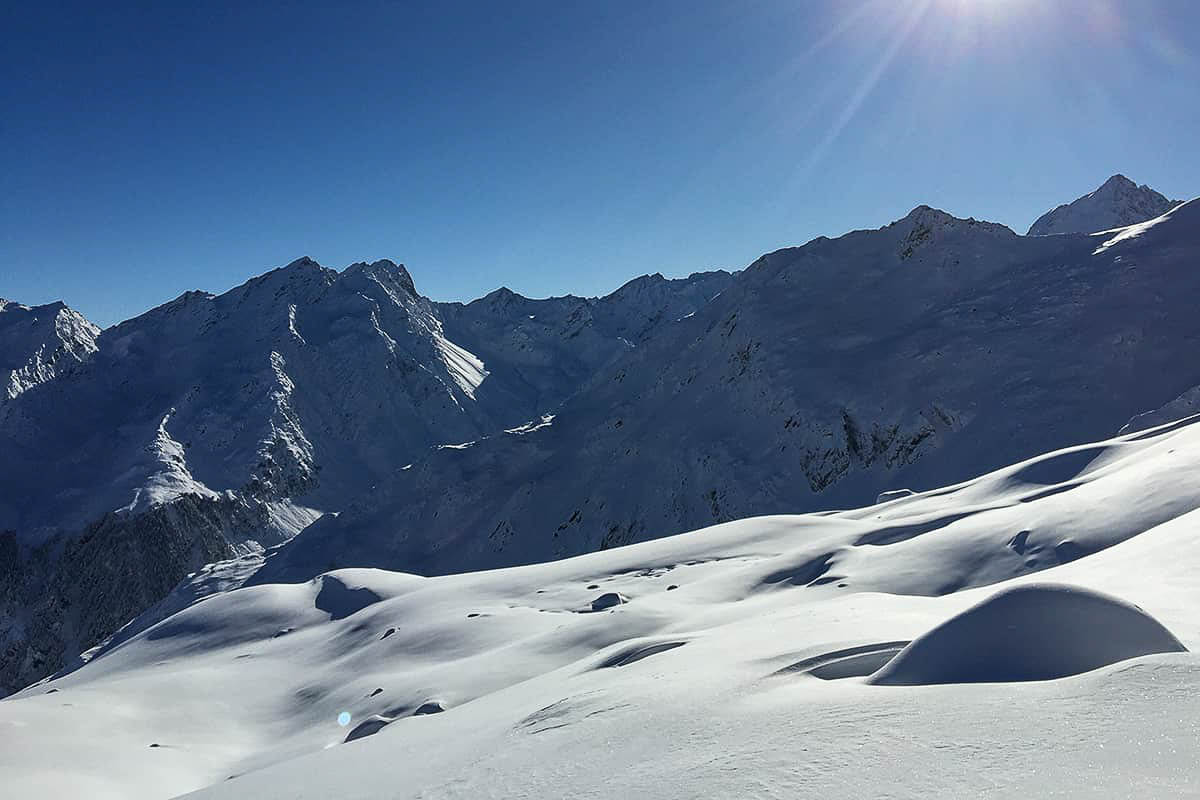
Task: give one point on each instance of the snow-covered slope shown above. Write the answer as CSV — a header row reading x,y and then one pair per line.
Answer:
x,y
727,662
910,356
1117,203
38,342
215,425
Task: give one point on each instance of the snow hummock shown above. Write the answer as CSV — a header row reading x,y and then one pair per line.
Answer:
x,y
1028,633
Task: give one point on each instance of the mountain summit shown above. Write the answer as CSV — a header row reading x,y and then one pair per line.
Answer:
x,y
1117,203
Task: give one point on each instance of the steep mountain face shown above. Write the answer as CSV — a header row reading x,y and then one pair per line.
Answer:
x,y
38,342
914,355
302,382
539,352
214,426
1117,203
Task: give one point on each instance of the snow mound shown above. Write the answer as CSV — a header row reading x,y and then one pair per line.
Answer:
x,y
1029,633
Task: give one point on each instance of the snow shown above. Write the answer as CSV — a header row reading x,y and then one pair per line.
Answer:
x,y
531,426
1020,633
1028,633
730,661
1118,202
1118,235
38,342
914,355
465,368
300,390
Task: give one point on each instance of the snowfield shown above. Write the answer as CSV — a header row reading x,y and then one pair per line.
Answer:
x,y
880,651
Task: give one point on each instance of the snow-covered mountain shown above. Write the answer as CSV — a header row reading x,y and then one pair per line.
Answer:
x,y
509,430
898,648
38,342
1117,203
540,352
910,356
215,425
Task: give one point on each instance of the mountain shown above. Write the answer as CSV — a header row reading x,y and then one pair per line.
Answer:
x,y
215,426
38,342
506,431
912,356
1117,203
540,352
783,656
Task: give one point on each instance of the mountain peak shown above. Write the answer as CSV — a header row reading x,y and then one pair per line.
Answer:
x,y
501,295
303,261
1118,181
923,217
1116,203
385,266
928,214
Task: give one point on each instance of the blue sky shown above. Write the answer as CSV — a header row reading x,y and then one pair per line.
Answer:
x,y
555,147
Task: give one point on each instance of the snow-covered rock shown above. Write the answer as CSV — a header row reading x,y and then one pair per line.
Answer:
x,y
1117,203
37,342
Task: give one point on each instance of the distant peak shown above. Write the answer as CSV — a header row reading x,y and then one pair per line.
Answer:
x,y
303,261
1118,180
1116,203
503,294
924,215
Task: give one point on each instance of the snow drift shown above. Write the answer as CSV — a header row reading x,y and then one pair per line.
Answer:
x,y
1029,633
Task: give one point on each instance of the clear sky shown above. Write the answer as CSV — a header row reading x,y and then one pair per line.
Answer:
x,y
553,147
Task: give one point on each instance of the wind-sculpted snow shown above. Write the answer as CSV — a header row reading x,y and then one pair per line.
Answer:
x,y
911,356
731,661
1029,633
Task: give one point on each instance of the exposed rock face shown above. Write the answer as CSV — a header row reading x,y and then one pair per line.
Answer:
x,y
1117,203
69,593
